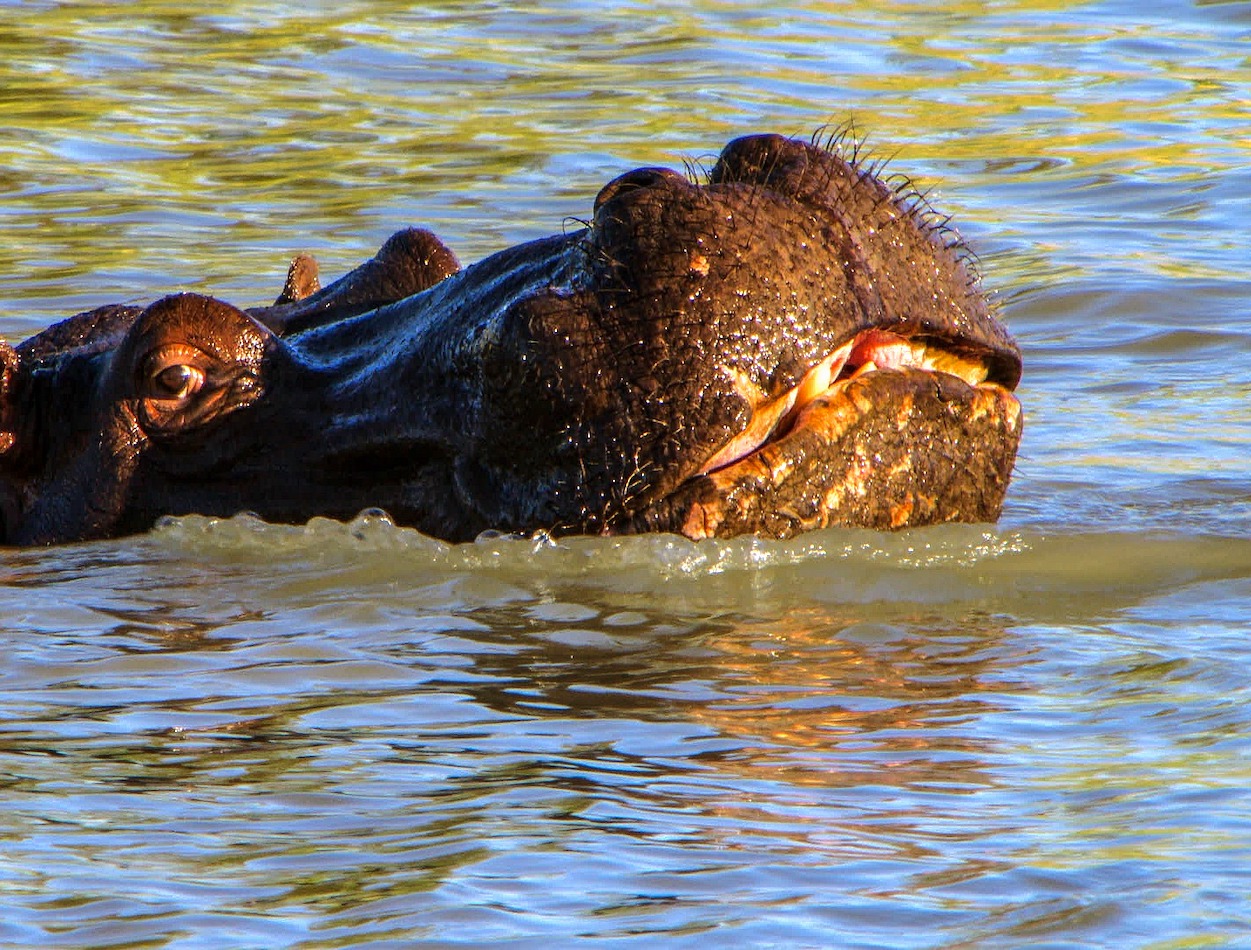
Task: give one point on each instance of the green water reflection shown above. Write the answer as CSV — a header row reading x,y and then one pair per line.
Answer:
x,y
232,734
170,146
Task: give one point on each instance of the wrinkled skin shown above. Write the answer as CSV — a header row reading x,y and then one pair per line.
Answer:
x,y
790,345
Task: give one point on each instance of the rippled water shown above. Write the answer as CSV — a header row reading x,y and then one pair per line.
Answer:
x,y
233,734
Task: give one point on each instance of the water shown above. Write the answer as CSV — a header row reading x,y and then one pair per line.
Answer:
x,y
233,734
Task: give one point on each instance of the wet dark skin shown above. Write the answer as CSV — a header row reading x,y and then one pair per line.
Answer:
x,y
787,345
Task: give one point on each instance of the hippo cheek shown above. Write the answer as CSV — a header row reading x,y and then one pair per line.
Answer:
x,y
83,497
10,512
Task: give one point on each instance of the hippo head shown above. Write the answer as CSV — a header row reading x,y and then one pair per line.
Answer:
x,y
787,345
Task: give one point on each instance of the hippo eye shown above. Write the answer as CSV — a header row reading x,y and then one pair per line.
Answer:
x,y
180,381
173,374
173,382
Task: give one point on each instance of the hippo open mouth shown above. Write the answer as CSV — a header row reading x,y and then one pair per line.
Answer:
x,y
871,350
790,344
875,369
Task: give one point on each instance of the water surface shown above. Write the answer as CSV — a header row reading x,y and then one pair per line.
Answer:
x,y
231,734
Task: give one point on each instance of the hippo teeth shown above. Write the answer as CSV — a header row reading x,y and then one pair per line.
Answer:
x,y
867,352
885,350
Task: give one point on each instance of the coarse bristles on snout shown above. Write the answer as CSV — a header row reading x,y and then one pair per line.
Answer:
x,y
788,343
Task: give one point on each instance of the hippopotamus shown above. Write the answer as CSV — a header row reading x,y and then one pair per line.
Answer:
x,y
788,343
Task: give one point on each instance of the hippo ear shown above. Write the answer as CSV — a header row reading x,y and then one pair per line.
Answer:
x,y
302,280
409,262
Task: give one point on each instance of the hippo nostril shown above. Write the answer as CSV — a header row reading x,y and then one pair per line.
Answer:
x,y
633,181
